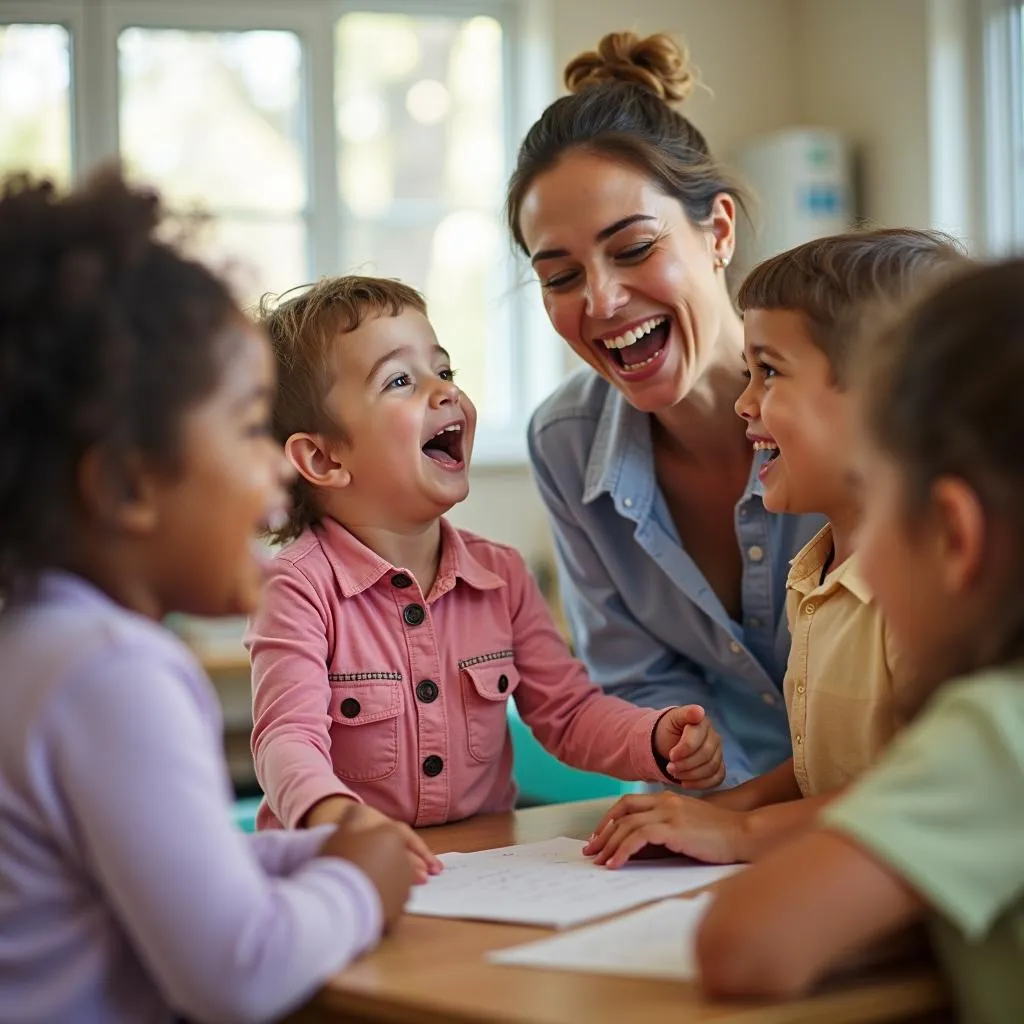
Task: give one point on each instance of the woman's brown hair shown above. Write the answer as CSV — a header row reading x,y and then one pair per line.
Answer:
x,y
620,107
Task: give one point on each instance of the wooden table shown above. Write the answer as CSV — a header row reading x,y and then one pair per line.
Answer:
x,y
432,969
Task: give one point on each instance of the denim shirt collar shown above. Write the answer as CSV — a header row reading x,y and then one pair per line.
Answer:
x,y
621,461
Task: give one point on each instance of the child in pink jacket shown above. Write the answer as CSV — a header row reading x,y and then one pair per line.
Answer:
x,y
388,643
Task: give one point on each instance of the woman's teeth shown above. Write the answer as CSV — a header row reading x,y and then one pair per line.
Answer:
x,y
765,446
633,336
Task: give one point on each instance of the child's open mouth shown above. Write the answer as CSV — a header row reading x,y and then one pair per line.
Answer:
x,y
445,447
773,451
638,348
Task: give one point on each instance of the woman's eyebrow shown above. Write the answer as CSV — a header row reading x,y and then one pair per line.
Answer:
x,y
601,236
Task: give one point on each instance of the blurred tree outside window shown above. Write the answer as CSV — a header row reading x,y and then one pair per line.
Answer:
x,y
214,120
35,101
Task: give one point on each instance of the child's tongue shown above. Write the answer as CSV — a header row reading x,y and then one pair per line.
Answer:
x,y
439,455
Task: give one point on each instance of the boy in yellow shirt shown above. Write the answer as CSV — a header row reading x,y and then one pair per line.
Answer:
x,y
844,683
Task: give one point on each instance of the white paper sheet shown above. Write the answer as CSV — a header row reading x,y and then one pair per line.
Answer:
x,y
656,942
551,883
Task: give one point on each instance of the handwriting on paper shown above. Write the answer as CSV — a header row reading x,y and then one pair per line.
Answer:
x,y
551,884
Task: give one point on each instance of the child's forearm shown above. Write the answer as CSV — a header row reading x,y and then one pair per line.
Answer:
x,y
765,828
774,787
328,811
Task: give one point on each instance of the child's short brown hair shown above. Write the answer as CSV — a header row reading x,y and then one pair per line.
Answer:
x,y
302,330
835,281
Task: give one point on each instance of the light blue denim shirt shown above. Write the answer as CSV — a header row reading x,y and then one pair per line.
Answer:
x,y
643,618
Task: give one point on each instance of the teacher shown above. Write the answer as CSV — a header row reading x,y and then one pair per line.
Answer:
x,y
672,572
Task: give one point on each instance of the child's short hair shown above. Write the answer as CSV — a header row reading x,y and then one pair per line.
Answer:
x,y
302,330
107,337
834,281
940,386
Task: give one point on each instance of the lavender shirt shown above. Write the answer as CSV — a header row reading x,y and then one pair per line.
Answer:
x,y
125,892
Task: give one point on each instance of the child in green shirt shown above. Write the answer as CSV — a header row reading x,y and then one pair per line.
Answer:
x,y
936,830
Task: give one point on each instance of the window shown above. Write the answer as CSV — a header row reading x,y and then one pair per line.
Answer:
x,y
35,100
311,138
1003,60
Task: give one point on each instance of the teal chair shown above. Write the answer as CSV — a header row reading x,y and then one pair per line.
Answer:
x,y
543,779
243,813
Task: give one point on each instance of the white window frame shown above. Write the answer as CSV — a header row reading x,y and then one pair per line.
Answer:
x,y
1003,63
536,356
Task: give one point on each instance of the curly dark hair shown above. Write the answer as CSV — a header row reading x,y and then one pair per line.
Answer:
x,y
107,336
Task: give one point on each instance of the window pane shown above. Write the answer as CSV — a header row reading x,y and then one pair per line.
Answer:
x,y
419,111
255,256
35,100
214,118
421,169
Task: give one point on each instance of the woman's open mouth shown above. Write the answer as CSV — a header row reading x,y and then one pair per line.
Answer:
x,y
639,347
446,447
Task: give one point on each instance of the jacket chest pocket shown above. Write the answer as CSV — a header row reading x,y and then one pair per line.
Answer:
x,y
365,709
487,684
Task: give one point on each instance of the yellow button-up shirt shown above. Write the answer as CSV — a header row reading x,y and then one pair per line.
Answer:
x,y
842,684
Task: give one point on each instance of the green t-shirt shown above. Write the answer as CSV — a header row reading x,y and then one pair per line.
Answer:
x,y
944,809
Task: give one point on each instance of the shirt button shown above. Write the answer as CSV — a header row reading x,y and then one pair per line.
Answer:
x,y
735,647
350,707
756,552
502,684
414,614
799,740
628,502
432,766
743,512
809,609
770,699
800,688
426,690
754,623
401,581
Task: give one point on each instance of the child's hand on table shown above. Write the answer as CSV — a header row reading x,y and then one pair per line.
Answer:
x,y
381,852
681,824
686,739
354,817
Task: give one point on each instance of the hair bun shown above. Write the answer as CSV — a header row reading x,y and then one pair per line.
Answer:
x,y
657,63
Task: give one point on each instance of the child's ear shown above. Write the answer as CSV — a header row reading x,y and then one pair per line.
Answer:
x,y
118,493
316,460
962,533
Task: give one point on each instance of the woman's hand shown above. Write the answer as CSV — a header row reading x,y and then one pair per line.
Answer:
x,y
682,824
686,739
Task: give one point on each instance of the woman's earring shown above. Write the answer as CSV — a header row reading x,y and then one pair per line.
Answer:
x,y
721,262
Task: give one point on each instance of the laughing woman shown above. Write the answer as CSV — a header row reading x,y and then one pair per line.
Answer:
x,y
673,573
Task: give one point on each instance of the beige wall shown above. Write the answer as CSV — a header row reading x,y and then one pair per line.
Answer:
x,y
744,50
863,69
